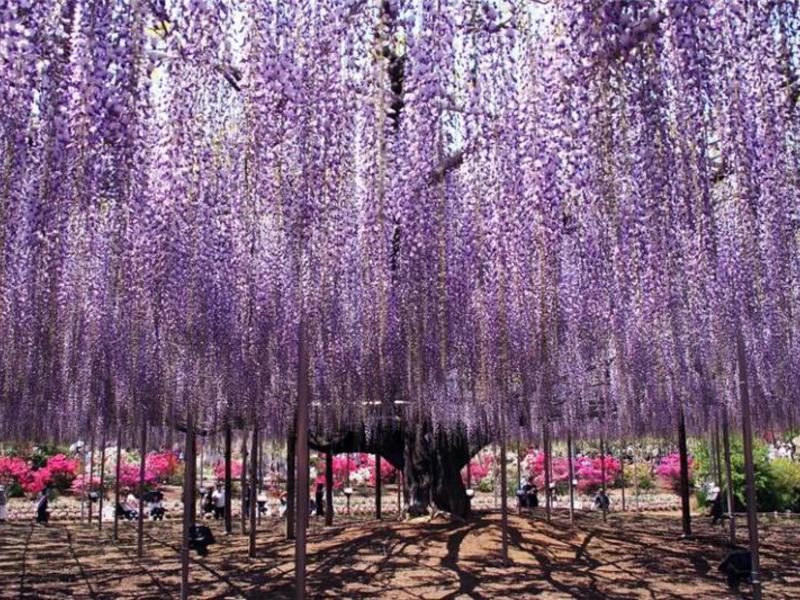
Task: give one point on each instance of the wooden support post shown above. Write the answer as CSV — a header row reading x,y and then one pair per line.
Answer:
x,y
503,491
603,476
253,492
571,468
726,444
244,495
228,480
328,488
117,468
102,480
188,501
378,488
548,498
303,401
90,487
291,472
749,469
142,460
686,515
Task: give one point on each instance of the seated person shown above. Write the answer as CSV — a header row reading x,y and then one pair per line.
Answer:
x,y
528,495
200,538
157,509
737,565
207,506
126,513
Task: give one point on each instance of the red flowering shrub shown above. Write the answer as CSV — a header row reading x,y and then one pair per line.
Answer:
x,y
589,473
129,476
36,481
236,470
80,484
162,465
13,472
669,471
63,470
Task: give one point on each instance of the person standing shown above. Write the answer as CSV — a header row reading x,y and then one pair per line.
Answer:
x,y
218,497
42,515
3,505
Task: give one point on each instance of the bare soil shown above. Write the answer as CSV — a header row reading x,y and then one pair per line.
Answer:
x,y
631,556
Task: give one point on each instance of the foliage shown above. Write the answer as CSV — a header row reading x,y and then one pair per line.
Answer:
x,y
236,470
163,465
669,471
776,481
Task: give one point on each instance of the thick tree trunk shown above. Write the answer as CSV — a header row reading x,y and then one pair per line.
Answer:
x,y
686,516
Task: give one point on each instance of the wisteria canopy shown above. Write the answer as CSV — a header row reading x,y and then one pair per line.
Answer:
x,y
480,210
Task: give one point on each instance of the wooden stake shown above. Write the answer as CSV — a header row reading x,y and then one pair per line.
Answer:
x,y
228,480
548,498
291,471
503,491
378,488
102,480
726,444
686,515
571,468
302,463
328,488
188,500
253,491
116,482
749,470
142,459
243,512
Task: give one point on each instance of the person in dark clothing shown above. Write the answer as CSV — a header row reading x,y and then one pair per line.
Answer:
x,y
319,500
717,513
42,514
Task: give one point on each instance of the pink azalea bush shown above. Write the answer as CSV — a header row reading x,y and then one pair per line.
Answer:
x,y
129,476
164,465
669,471
589,472
63,470
81,485
480,468
236,470
13,471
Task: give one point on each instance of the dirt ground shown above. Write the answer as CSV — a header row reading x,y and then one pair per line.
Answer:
x,y
631,556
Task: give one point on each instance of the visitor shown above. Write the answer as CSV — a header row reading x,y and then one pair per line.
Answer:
x,y
3,505
319,500
602,501
283,501
157,509
207,506
717,513
42,514
218,497
132,503
531,493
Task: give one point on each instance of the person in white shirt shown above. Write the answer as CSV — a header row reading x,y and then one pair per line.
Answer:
x,y
3,504
218,498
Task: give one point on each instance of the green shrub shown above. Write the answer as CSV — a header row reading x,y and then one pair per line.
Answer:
x,y
786,477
